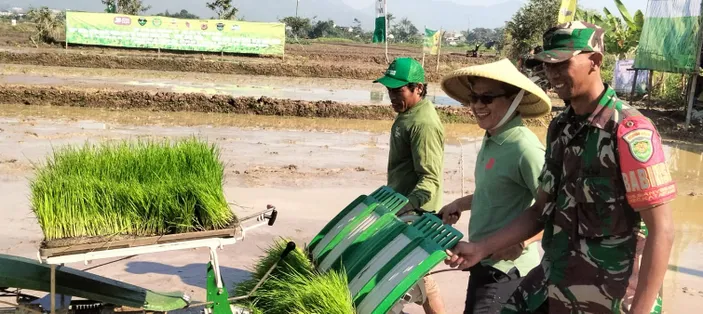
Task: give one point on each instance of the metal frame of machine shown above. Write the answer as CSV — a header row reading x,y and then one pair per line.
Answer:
x,y
55,258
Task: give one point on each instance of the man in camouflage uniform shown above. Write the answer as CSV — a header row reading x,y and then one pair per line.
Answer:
x,y
604,179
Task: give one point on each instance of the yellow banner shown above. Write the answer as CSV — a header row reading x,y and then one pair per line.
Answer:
x,y
120,30
567,11
431,42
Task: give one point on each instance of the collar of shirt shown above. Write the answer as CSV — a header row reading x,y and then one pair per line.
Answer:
x,y
505,131
414,109
604,112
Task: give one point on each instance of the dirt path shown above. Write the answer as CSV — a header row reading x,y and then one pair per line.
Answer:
x,y
308,175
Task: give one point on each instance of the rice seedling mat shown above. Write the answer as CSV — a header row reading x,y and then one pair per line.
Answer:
x,y
83,245
131,193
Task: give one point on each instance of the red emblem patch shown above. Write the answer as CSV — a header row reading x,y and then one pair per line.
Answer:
x,y
491,162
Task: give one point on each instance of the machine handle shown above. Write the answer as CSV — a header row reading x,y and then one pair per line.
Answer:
x,y
289,248
273,216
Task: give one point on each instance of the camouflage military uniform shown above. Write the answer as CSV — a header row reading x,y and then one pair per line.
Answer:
x,y
598,169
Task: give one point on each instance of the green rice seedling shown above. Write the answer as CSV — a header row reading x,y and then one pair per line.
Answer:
x,y
138,188
299,293
295,261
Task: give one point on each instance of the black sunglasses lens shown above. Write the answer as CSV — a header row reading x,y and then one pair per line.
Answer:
x,y
484,99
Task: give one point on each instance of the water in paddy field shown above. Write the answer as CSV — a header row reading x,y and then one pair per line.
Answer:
x,y
28,128
359,92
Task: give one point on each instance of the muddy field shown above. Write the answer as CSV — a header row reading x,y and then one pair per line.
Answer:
x,y
168,101
308,174
324,60
296,67
310,158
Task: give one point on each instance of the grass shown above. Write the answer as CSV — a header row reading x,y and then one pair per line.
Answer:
x,y
295,286
138,188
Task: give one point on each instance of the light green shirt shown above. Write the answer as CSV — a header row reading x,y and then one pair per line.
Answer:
x,y
416,156
507,172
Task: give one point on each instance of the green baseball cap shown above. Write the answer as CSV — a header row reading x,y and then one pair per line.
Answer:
x,y
401,72
567,40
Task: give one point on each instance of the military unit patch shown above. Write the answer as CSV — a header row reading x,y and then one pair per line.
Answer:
x,y
640,144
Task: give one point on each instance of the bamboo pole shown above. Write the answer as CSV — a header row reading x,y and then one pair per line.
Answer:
x,y
439,49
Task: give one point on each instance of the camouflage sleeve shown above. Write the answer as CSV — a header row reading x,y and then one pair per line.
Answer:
x,y
645,173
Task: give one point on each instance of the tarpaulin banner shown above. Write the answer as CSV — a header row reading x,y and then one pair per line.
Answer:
x,y
119,30
379,33
669,41
431,42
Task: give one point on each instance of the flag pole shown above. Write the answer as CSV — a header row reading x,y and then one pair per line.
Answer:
x,y
385,35
423,46
439,49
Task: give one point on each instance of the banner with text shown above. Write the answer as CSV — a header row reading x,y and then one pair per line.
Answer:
x,y
119,30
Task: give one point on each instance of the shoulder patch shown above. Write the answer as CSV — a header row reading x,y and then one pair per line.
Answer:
x,y
645,173
640,143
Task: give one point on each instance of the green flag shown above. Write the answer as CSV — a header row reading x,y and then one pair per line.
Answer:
x,y
379,33
431,42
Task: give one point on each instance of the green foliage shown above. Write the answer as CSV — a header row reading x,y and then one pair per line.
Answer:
x,y
183,14
131,7
48,24
405,31
608,68
223,9
300,293
529,24
621,35
300,27
139,188
324,29
295,286
670,89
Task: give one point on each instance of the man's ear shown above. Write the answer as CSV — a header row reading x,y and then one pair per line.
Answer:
x,y
597,59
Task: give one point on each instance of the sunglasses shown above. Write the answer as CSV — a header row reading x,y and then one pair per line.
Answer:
x,y
484,99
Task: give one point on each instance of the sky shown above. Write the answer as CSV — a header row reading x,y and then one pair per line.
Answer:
x,y
631,5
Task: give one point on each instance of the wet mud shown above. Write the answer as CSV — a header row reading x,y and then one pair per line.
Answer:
x,y
336,67
197,102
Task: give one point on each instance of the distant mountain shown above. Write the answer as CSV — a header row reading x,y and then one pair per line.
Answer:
x,y
432,13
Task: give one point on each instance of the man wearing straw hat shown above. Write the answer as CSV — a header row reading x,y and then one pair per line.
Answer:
x,y
604,196
506,173
416,156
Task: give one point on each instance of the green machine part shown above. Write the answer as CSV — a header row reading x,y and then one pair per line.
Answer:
x,y
218,296
382,256
353,215
23,273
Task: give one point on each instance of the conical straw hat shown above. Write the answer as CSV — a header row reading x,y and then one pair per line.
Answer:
x,y
534,104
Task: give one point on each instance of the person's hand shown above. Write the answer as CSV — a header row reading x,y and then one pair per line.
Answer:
x,y
465,255
408,208
451,213
509,254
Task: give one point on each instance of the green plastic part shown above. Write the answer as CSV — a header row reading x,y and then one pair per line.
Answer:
x,y
434,229
23,273
346,248
216,295
384,195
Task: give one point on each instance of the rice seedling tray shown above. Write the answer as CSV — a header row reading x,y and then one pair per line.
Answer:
x,y
61,247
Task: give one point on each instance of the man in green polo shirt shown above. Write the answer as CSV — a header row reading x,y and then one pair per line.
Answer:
x,y
416,157
506,174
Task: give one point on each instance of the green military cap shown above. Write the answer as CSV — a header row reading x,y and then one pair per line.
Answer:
x,y
401,72
567,40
